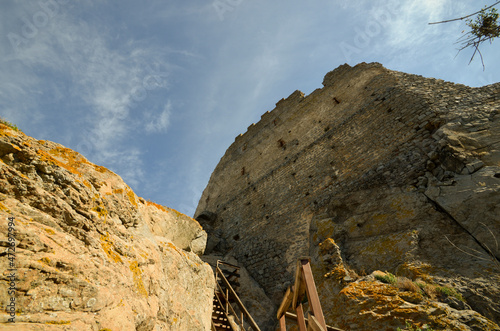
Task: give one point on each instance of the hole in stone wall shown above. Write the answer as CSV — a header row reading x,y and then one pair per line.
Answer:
x,y
310,176
359,225
307,193
389,110
236,237
293,174
267,217
248,203
432,126
264,206
337,101
497,175
327,128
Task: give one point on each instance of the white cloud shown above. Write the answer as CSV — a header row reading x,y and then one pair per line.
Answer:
x,y
109,80
160,122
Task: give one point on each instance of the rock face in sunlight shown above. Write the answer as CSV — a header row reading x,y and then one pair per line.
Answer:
x,y
90,254
390,182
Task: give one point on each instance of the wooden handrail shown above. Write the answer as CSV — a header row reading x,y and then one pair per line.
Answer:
x,y
304,285
228,286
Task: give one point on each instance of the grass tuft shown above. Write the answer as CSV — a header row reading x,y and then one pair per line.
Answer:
x,y
406,284
10,125
388,278
411,327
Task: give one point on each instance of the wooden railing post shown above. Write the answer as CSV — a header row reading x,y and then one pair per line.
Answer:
x,y
304,285
312,293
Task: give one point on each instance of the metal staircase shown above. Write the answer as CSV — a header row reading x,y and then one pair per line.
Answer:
x,y
229,313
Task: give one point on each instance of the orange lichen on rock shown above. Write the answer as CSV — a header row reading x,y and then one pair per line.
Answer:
x,y
338,273
63,157
108,247
100,168
131,197
154,204
137,274
4,208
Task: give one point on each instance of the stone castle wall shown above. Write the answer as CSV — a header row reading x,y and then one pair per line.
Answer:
x,y
367,127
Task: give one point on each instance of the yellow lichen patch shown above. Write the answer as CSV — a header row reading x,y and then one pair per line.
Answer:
x,y
137,274
64,158
401,211
49,231
100,169
131,197
375,291
3,208
338,273
118,191
107,245
45,260
58,322
101,211
153,204
327,245
87,184
416,271
172,246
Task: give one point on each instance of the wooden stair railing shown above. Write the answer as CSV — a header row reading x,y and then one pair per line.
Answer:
x,y
229,311
304,286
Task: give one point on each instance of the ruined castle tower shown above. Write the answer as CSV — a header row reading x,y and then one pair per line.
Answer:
x,y
397,170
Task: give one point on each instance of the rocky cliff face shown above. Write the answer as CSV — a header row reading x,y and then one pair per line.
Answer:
x,y
90,254
389,181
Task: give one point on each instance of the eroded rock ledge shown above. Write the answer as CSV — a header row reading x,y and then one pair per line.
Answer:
x,y
92,255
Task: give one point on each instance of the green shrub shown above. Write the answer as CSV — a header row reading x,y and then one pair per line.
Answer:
x,y
449,292
387,278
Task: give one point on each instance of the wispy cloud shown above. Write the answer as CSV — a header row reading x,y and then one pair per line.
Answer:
x,y
110,79
160,122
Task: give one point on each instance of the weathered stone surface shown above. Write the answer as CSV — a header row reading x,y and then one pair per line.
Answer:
x,y
378,170
90,254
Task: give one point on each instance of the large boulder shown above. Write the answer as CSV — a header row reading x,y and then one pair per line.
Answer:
x,y
90,254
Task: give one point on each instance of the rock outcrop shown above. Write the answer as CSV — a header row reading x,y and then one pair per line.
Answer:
x,y
90,254
389,181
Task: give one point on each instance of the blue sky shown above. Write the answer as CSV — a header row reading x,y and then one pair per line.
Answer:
x,y
157,90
